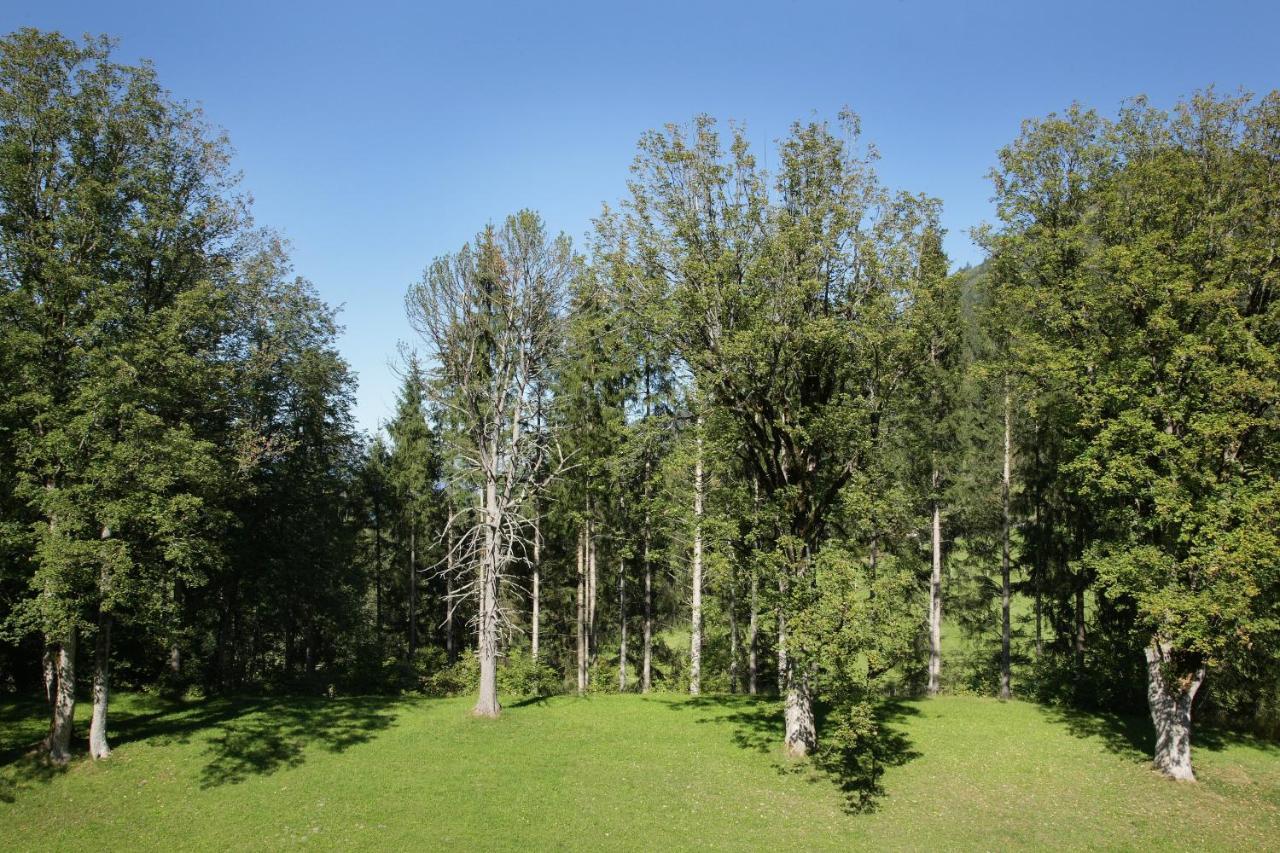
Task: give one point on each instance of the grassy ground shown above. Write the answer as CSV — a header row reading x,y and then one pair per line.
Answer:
x,y
616,772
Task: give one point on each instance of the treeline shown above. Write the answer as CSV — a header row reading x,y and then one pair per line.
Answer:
x,y
756,438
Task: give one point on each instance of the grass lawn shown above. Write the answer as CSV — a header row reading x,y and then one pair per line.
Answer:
x,y
615,772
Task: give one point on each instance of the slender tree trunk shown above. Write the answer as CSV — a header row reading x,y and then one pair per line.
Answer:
x,y
695,642
593,579
1005,691
487,618
377,572
582,609
413,588
98,747
753,626
782,636
646,666
62,718
450,643
1040,545
622,624
1039,589
646,670
753,638
734,673
935,603
1080,630
536,617
175,651
1170,696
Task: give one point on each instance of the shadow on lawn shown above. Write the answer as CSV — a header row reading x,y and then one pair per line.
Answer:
x,y
1132,736
857,771
245,737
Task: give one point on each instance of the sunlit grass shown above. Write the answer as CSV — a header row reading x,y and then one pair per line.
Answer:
x,y
616,772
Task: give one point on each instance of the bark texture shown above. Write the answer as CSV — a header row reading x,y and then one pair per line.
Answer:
x,y
487,617
582,610
695,622
1170,696
935,605
62,713
98,747
536,616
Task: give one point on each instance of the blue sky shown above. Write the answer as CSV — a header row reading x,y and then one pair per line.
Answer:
x,y
378,136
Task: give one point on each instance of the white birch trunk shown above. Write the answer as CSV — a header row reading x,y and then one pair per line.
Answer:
x,y
593,579
582,610
695,641
646,669
536,616
935,605
1170,696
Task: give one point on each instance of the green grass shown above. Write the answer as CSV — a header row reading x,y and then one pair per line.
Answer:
x,y
616,772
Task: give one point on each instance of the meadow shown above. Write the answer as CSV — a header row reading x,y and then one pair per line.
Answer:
x,y
620,772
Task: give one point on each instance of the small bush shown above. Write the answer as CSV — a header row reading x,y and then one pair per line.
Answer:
x,y
520,675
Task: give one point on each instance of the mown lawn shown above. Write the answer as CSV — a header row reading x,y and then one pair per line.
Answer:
x,y
617,772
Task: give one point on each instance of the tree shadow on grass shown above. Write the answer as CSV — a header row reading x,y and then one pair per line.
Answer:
x,y
857,770
277,735
245,736
1127,735
1132,736
23,724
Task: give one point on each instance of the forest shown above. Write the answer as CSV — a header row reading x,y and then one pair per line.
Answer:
x,y
753,434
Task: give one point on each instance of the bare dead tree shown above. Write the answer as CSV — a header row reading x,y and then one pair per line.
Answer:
x,y
491,315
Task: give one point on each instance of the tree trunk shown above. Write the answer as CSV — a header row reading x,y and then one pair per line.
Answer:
x,y
782,636
734,673
935,604
98,747
377,572
622,624
536,616
593,579
753,625
49,664
1039,606
582,610
695,632
646,676
800,736
487,618
1170,696
450,644
1080,631
1005,691
413,589
753,638
62,716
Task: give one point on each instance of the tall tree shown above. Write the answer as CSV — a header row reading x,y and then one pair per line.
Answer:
x,y
492,316
118,222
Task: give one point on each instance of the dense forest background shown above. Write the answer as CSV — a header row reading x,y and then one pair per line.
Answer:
x,y
752,436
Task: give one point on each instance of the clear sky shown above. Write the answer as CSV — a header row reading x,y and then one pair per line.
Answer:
x,y
378,136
